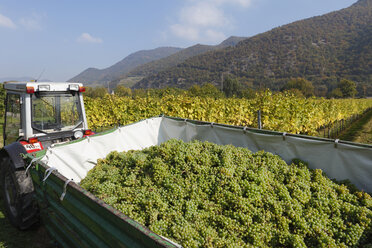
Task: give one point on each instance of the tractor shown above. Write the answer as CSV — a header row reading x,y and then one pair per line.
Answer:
x,y
37,115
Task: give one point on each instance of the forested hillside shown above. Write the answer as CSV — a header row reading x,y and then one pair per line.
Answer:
x,y
101,76
322,49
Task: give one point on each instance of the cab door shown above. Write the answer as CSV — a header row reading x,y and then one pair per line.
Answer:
x,y
13,118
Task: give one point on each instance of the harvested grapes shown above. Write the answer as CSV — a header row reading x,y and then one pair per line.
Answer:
x,y
200,194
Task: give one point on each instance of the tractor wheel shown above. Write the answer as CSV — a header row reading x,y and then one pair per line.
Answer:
x,y
18,195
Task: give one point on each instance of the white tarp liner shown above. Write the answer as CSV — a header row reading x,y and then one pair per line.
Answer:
x,y
337,160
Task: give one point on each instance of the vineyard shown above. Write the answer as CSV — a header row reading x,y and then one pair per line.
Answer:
x,y
280,111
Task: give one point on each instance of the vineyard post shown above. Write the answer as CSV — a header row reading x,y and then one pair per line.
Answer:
x,y
324,128
329,127
259,119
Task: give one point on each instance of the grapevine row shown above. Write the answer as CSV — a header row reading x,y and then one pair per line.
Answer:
x,y
280,111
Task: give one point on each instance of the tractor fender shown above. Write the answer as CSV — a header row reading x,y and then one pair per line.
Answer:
x,y
13,151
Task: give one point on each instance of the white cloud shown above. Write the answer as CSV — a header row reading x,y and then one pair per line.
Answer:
x,y
187,32
242,3
203,14
31,23
6,22
87,38
205,20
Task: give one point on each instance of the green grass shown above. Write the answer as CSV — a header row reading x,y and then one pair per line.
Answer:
x,y
365,135
360,131
11,237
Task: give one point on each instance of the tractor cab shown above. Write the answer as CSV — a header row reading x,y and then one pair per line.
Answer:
x,y
39,114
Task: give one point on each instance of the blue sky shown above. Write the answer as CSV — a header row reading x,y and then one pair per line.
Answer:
x,y
62,38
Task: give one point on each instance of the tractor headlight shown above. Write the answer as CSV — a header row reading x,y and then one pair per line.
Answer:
x,y
78,134
44,87
73,87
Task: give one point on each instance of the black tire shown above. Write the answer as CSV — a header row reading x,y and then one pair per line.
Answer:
x,y
18,194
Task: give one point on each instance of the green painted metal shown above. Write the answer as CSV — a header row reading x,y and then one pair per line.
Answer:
x,y
82,220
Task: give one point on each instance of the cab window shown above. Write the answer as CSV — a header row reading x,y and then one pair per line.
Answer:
x,y
55,112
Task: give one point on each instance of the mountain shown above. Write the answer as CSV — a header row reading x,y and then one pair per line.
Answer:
x,y
22,79
162,64
93,76
322,49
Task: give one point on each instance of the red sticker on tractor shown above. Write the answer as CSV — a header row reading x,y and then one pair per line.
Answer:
x,y
34,147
